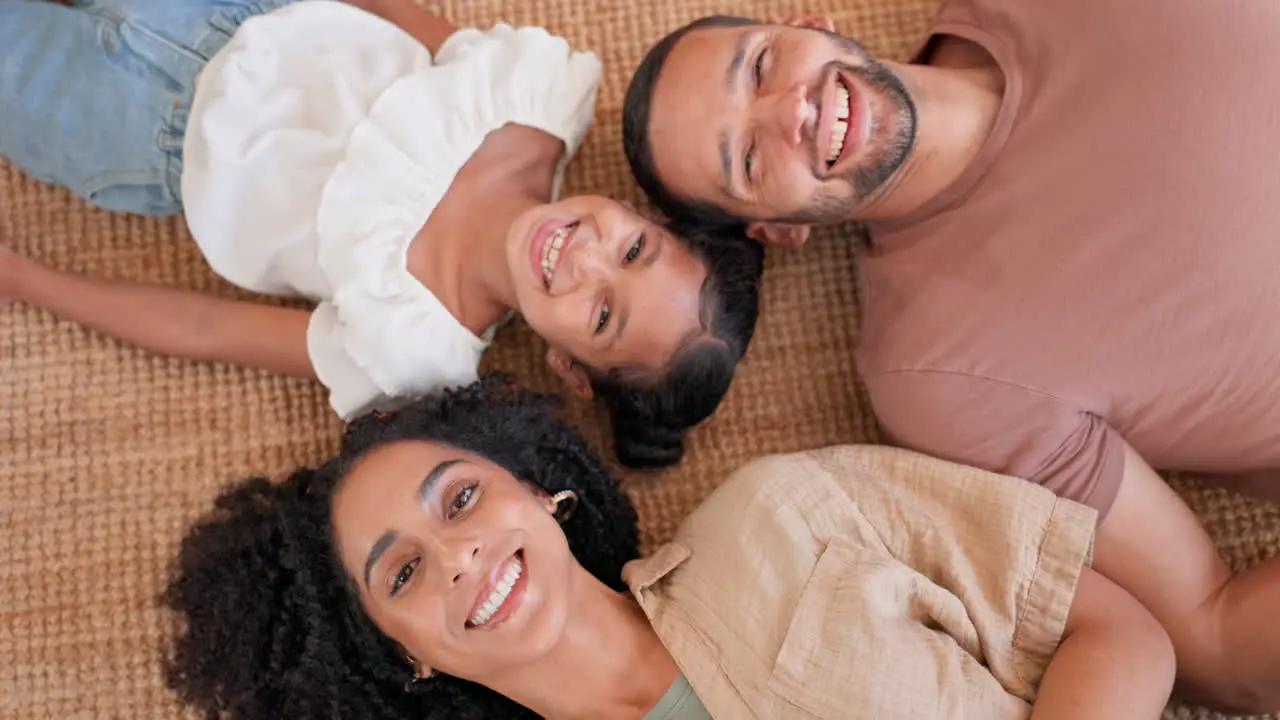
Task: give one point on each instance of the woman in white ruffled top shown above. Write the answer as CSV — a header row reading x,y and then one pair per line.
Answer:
x,y
400,173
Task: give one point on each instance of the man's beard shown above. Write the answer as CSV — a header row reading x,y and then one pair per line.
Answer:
x,y
874,171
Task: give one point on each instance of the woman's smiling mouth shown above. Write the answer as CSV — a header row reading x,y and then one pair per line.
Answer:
x,y
501,595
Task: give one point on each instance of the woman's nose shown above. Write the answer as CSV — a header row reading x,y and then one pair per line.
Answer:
x,y
456,558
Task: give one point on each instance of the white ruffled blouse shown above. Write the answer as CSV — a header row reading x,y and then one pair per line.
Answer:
x,y
319,141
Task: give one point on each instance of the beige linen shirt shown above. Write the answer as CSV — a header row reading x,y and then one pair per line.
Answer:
x,y
867,582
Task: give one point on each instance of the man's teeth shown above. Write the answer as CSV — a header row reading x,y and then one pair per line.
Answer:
x,y
500,592
841,125
551,252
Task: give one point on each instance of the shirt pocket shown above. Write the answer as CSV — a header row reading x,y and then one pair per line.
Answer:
x,y
870,640
840,658
817,650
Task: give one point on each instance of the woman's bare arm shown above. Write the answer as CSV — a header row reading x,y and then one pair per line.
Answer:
x,y
1115,662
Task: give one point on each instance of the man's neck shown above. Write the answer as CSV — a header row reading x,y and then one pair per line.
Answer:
x,y
958,96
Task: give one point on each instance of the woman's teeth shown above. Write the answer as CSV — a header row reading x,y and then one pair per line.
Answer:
x,y
551,252
500,592
841,125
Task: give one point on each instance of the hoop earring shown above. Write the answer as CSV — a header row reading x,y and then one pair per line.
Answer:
x,y
566,502
419,683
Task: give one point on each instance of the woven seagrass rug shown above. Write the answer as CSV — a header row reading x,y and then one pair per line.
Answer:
x,y
107,453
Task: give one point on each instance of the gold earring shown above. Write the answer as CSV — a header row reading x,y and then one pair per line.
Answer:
x,y
419,682
564,511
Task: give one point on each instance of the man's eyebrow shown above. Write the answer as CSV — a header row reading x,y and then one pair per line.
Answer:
x,y
731,76
739,57
726,164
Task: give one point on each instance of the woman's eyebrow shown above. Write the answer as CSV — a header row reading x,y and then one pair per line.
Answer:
x,y
376,552
389,537
433,477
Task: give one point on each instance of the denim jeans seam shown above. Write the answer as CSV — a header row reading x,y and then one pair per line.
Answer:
x,y
113,178
170,138
223,24
172,167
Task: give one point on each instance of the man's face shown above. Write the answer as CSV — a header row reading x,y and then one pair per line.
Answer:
x,y
778,123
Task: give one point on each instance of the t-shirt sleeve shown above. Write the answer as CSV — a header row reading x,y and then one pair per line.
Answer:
x,y
1003,428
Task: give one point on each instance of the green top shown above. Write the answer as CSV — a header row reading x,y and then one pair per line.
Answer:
x,y
680,703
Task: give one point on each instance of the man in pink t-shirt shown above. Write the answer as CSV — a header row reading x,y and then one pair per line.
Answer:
x,y
1073,266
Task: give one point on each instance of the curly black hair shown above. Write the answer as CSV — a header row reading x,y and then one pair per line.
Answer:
x,y
273,627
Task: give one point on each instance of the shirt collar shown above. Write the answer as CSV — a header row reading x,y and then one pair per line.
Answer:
x,y
642,574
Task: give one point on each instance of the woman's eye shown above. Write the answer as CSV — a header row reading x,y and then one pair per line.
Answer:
x,y
603,322
462,499
403,576
747,162
634,251
759,69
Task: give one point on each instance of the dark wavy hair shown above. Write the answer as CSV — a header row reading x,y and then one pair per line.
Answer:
x,y
652,410
637,108
273,628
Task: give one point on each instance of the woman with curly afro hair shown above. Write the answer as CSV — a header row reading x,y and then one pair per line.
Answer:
x,y
469,557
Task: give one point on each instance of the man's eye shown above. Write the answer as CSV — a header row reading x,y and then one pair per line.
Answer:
x,y
403,576
603,322
634,251
747,162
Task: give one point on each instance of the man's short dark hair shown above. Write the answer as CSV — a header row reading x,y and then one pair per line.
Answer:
x,y
636,110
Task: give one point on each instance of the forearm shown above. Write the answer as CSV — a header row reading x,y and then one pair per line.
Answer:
x,y
1115,661
425,26
171,321
1248,606
1223,628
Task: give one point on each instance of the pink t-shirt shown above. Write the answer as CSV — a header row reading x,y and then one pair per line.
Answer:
x,y
1109,266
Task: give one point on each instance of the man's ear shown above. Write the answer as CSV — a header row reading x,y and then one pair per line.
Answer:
x,y
778,233
815,22
570,373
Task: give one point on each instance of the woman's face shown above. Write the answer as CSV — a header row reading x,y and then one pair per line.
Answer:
x,y
454,558
603,285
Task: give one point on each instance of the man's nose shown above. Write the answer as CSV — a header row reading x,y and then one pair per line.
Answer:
x,y
790,114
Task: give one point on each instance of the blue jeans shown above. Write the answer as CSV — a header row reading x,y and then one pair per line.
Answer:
x,y
95,96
